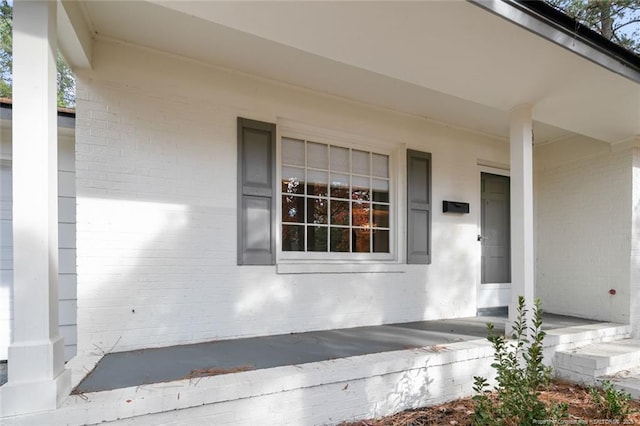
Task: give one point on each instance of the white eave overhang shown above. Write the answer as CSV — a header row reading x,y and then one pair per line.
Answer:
x,y
451,62
533,17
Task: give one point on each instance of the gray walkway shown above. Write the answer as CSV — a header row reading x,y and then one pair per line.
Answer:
x,y
139,367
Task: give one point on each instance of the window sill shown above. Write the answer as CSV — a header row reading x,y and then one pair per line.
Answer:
x,y
340,268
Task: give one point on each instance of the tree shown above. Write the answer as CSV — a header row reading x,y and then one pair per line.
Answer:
x,y
6,48
65,77
615,20
66,84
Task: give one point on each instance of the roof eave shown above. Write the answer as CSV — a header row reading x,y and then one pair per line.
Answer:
x,y
545,21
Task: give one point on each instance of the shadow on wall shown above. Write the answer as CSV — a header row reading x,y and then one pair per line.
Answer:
x,y
155,274
446,288
124,247
375,397
157,258
412,388
457,264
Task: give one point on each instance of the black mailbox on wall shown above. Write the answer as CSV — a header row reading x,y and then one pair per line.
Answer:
x,y
455,207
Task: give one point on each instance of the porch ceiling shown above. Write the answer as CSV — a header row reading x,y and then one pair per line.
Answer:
x,y
447,61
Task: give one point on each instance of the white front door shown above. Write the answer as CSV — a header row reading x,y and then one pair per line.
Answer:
x,y
495,240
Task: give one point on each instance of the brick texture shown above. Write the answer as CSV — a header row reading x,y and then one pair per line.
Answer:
x,y
156,233
583,207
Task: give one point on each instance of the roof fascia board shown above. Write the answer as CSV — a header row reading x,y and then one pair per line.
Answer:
x,y
521,15
66,119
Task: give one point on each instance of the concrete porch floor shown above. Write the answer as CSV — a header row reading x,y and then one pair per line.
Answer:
x,y
321,377
140,367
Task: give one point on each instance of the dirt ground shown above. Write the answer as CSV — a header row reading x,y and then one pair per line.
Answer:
x,y
460,412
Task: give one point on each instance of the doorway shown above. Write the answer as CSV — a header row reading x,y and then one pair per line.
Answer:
x,y
495,241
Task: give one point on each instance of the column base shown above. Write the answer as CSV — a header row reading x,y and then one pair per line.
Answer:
x,y
38,380
20,398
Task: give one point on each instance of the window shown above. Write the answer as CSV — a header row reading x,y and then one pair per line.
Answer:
x,y
334,199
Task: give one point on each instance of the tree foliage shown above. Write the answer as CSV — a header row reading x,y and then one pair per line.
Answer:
x,y
66,84
65,77
616,20
6,48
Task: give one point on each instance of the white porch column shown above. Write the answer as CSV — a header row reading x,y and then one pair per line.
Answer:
x,y
37,378
522,246
634,284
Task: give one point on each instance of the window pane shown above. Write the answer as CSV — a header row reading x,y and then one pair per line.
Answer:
x,y
381,190
380,165
292,238
339,212
292,180
334,199
317,238
317,210
360,162
360,213
361,240
380,241
317,155
360,189
339,186
340,239
292,209
381,215
293,152
339,159
317,183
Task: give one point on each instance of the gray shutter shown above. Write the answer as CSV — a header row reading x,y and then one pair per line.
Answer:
x,y
418,207
256,192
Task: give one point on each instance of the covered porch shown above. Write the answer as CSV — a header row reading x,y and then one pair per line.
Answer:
x,y
161,86
322,377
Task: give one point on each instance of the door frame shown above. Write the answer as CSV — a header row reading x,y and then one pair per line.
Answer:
x,y
490,287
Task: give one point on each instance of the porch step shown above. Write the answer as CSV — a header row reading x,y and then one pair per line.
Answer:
x,y
626,380
592,363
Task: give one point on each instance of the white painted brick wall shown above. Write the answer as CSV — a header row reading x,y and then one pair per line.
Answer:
x,y
583,205
156,182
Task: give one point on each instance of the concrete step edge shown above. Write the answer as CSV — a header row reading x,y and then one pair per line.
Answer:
x,y
595,355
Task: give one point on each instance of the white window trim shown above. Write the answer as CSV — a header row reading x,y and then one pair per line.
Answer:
x,y
339,262
340,268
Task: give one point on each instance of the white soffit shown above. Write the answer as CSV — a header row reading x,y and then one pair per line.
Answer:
x,y
447,61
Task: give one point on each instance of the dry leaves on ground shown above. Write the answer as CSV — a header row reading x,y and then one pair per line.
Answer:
x,y
460,412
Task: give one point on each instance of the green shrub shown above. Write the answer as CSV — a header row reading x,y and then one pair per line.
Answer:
x,y
520,375
610,403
